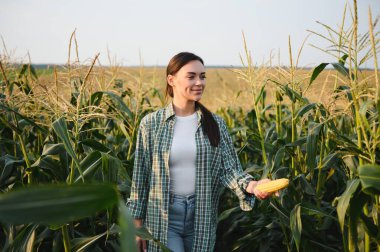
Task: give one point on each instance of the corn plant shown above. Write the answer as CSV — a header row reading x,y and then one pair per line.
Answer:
x,y
329,153
67,154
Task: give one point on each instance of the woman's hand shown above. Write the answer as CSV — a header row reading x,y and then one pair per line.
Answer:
x,y
251,188
141,244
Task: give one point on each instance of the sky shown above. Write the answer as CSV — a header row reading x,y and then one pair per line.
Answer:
x,y
151,32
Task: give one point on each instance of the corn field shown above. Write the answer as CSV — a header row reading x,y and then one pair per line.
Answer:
x,y
67,141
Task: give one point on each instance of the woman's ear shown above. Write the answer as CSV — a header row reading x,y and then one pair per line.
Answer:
x,y
170,80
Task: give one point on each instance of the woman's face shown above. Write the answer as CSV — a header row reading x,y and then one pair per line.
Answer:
x,y
189,82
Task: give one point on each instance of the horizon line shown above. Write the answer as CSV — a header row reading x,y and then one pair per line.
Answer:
x,y
47,65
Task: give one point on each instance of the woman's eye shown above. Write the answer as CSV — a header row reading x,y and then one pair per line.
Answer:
x,y
203,77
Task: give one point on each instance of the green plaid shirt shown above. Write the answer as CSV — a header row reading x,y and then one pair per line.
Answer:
x,y
215,166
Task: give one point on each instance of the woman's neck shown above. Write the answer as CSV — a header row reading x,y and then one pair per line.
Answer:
x,y
183,108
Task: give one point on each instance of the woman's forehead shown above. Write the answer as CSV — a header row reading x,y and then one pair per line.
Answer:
x,y
194,66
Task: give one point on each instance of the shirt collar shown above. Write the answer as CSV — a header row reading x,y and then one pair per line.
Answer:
x,y
169,112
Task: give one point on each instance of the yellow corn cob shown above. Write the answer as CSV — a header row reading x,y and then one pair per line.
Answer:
x,y
273,185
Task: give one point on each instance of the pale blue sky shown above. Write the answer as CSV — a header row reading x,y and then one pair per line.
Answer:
x,y
159,29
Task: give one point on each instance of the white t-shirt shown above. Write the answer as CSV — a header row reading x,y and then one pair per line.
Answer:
x,y
182,157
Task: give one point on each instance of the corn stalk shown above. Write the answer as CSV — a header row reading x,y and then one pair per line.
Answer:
x,y
249,75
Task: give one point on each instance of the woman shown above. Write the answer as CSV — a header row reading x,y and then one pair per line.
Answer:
x,y
183,155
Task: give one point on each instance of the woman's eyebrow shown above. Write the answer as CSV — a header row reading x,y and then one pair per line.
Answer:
x,y
195,73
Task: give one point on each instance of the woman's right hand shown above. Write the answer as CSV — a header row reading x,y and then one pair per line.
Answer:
x,y
141,244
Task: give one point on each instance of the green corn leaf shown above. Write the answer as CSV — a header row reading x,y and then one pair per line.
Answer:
x,y
267,108
94,145
24,239
344,201
281,172
53,149
302,111
346,89
279,96
31,122
9,169
311,144
110,168
23,70
10,125
330,160
24,87
60,129
324,246
33,72
370,227
225,214
299,142
355,209
125,132
55,204
364,110
305,185
90,164
80,244
279,208
310,209
31,69
343,59
10,161
52,167
57,243
369,175
341,69
145,235
119,103
351,162
96,98
316,71
127,228
296,225
280,154
292,94
262,90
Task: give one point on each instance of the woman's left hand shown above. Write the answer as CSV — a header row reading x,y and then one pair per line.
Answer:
x,y
251,188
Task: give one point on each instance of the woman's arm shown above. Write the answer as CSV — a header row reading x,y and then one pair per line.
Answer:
x,y
137,202
234,177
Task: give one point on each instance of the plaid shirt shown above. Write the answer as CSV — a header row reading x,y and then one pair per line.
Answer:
x,y
215,166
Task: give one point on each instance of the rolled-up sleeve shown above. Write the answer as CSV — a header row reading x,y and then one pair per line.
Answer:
x,y
233,175
137,202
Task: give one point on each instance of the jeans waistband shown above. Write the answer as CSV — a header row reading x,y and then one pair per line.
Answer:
x,y
186,198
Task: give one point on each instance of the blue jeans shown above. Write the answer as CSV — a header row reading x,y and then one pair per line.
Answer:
x,y
181,223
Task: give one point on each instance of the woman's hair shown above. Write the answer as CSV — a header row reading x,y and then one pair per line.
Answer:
x,y
209,125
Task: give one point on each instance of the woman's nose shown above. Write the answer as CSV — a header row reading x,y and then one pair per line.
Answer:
x,y
199,81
